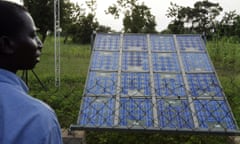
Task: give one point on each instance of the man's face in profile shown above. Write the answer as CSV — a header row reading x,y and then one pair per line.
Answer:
x,y
26,44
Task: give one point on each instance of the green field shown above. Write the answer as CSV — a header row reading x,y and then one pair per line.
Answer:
x,y
75,58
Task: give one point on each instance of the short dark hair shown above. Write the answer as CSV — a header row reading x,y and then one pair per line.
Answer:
x,y
10,18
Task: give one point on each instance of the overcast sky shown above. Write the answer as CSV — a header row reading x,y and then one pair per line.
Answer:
x,y
158,9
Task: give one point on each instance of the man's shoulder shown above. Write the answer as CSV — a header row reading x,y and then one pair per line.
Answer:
x,y
41,109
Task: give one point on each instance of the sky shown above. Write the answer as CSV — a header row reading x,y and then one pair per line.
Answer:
x,y
158,9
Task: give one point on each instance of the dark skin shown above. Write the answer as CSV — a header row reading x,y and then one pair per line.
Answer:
x,y
22,51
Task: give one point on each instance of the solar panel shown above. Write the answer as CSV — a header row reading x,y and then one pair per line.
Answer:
x,y
162,43
135,61
196,62
135,84
135,42
97,111
165,62
107,42
169,85
174,114
136,112
101,83
154,82
205,85
214,114
189,43
107,61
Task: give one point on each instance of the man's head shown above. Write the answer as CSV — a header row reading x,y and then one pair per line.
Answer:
x,y
20,46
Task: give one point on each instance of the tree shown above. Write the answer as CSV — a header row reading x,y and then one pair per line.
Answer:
x,y
102,28
83,24
236,26
199,19
84,28
177,24
205,14
138,18
229,25
74,16
92,5
42,12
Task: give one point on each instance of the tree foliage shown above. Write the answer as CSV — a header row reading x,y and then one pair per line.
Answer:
x,y
83,24
199,19
205,16
202,18
74,20
42,13
84,28
229,25
137,17
92,5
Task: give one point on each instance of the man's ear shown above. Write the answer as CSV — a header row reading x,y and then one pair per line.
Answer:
x,y
6,45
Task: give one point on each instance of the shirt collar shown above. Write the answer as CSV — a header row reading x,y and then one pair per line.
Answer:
x,y
12,79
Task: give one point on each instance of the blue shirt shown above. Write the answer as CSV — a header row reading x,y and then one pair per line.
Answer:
x,y
24,119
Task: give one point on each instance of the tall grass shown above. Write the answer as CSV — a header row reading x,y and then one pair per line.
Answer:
x,y
225,55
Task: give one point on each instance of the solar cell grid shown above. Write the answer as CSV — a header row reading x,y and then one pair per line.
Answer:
x,y
136,112
109,42
162,43
190,43
135,84
214,114
169,85
135,61
165,62
205,85
107,61
135,42
196,62
97,111
174,114
101,83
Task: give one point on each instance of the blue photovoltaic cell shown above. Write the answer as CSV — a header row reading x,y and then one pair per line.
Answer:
x,y
136,112
135,61
196,62
214,114
100,83
174,114
190,43
169,85
205,85
162,43
107,61
97,111
135,42
135,84
165,62
109,42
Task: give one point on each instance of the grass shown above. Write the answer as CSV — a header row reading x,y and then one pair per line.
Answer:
x,y
74,59
74,67
225,56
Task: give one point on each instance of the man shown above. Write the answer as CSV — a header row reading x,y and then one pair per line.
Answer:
x,y
23,119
